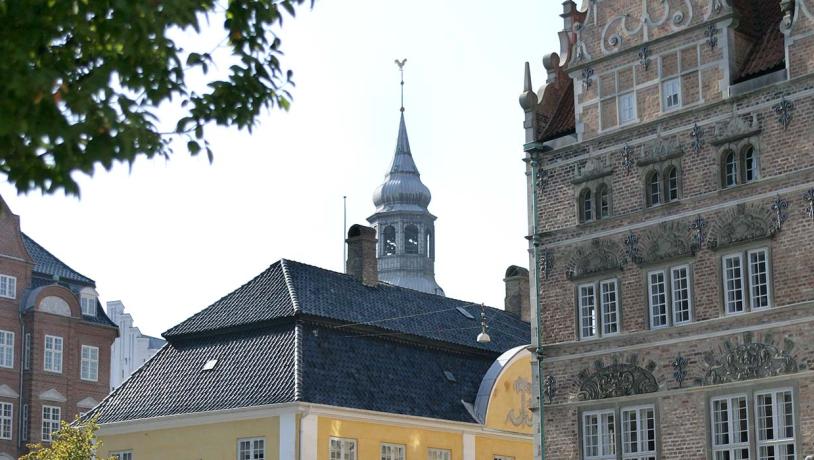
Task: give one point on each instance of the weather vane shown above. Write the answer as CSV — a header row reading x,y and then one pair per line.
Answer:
x,y
401,69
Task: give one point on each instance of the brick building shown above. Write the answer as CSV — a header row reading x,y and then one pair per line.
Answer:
x,y
54,341
671,211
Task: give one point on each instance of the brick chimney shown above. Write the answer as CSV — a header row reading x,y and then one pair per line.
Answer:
x,y
361,263
517,300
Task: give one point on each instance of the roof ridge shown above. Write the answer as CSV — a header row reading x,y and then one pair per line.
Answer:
x,y
291,292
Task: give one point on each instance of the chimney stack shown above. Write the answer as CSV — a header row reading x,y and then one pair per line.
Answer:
x,y
517,300
361,263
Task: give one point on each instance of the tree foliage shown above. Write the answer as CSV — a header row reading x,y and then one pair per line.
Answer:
x,y
81,81
75,441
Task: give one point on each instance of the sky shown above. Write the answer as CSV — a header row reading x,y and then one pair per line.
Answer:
x,y
170,237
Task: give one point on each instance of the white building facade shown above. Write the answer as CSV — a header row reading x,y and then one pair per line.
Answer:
x,y
131,349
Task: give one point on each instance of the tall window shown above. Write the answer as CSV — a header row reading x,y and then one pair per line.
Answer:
x,y
392,452
6,420
599,435
411,239
90,363
774,428
653,189
603,202
746,288
639,433
6,349
730,169
598,308
25,428
342,449
586,206
27,352
251,449
669,296
627,108
439,454
774,411
749,164
389,245
53,354
8,286
50,421
671,189
739,168
671,94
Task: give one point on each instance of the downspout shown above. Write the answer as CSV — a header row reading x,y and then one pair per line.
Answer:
x,y
538,351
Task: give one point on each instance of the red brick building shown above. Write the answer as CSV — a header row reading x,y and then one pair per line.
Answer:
x,y
671,216
54,340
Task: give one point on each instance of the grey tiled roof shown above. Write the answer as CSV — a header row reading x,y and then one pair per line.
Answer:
x,y
288,287
47,264
253,369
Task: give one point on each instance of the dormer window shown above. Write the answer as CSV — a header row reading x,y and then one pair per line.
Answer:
x,y
87,300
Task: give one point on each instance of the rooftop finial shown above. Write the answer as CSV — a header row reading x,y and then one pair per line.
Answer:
x,y
401,69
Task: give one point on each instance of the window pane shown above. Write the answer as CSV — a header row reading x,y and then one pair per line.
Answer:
x,y
658,300
672,185
731,169
587,206
733,284
627,108
670,94
610,308
681,295
654,189
587,310
759,279
604,203
749,165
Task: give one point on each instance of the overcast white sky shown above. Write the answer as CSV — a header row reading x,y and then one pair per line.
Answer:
x,y
169,238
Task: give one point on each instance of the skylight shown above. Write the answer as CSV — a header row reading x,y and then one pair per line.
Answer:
x,y
450,376
464,312
210,364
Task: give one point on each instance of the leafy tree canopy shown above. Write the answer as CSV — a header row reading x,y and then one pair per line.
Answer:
x,y
75,441
81,81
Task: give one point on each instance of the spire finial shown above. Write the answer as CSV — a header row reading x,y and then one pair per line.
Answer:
x,y
401,69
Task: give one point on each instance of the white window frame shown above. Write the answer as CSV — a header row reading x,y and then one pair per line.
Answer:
x,y
7,349
665,86
601,435
342,448
502,457
8,287
673,300
392,451
55,354
88,304
604,304
599,311
627,97
751,283
50,424
89,367
730,305
642,438
651,293
585,305
777,442
747,273
439,454
123,455
731,447
6,420
669,279
253,449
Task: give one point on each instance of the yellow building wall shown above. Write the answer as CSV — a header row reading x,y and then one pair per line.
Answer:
x,y
370,436
487,447
511,397
215,441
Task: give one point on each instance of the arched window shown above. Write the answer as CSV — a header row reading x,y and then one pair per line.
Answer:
x,y
653,189
671,188
586,206
389,245
429,245
730,164
411,239
749,164
602,202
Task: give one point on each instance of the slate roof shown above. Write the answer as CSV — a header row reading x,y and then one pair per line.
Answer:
x,y
47,264
293,334
288,287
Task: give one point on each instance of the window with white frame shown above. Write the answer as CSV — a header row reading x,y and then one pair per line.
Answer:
x,y
599,435
669,296
27,352
6,420
746,281
774,429
637,436
251,449
122,455
392,452
53,354
627,108
671,94
598,304
439,454
774,411
51,415
89,369
6,349
639,433
8,286
341,449
88,304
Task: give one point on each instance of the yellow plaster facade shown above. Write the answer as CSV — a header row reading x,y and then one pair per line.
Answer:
x,y
511,397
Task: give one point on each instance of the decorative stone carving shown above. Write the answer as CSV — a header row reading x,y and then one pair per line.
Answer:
x,y
644,57
522,415
632,248
550,388
596,256
697,135
680,369
712,36
741,224
542,179
639,30
627,158
749,360
587,77
594,168
697,227
661,150
617,379
664,242
783,110
778,208
735,129
808,197
548,262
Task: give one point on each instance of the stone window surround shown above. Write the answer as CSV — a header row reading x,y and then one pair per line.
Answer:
x,y
667,267
617,94
617,405
739,148
743,250
596,280
594,186
662,168
749,389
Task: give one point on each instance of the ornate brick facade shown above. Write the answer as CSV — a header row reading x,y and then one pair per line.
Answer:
x,y
671,220
41,308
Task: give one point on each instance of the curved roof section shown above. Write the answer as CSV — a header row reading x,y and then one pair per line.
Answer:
x,y
402,189
47,264
488,382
